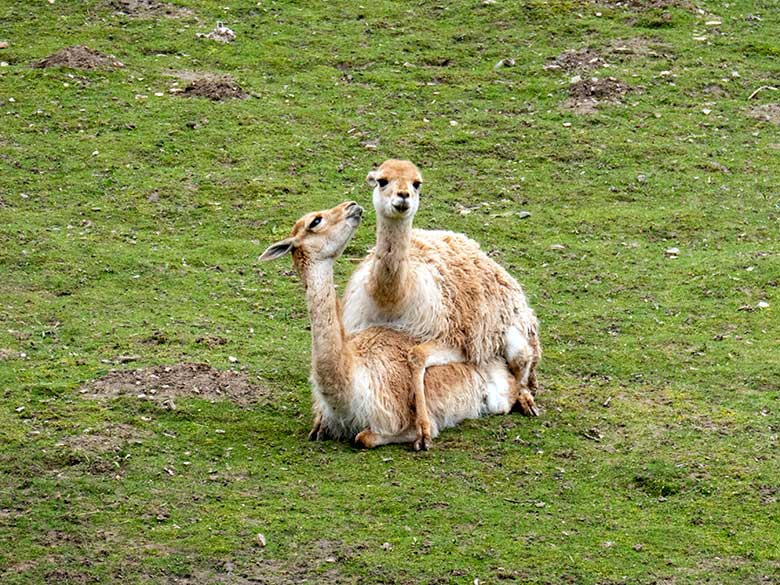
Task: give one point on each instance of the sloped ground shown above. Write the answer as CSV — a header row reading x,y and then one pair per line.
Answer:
x,y
645,234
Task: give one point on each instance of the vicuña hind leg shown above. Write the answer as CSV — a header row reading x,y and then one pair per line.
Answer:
x,y
422,357
368,439
319,432
521,357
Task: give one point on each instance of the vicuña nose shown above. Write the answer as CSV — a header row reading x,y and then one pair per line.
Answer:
x,y
403,194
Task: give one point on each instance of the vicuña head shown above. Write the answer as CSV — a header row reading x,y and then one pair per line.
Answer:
x,y
318,236
397,186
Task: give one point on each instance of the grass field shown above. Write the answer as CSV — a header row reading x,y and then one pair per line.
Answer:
x,y
132,216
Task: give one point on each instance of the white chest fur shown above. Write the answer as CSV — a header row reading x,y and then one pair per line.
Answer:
x,y
422,316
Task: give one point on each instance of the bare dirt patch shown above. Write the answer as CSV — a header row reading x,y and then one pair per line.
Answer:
x,y
211,341
588,94
79,57
320,561
639,47
581,60
147,9
641,5
715,90
113,438
766,113
163,384
210,86
10,354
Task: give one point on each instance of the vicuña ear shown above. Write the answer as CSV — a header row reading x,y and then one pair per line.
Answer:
x,y
371,179
277,250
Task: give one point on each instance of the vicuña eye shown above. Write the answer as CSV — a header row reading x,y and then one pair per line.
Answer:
x,y
416,185
382,182
315,222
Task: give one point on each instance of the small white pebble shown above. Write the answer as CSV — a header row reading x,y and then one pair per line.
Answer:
x,y
453,122
762,305
706,111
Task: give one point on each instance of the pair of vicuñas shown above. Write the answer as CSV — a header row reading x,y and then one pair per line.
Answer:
x,y
430,330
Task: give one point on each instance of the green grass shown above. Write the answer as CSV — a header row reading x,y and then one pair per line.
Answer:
x,y
656,459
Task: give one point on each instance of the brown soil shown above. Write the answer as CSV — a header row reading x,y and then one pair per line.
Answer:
x,y
604,89
641,5
580,60
165,383
766,113
639,47
147,8
110,439
211,341
9,354
715,90
79,57
214,87
588,94
317,562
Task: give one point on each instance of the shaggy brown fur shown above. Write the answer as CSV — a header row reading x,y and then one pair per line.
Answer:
x,y
439,287
363,385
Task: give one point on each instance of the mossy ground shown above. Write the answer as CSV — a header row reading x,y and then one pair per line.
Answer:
x,y
131,222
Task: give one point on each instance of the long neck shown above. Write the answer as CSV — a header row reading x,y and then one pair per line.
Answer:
x,y
331,352
390,271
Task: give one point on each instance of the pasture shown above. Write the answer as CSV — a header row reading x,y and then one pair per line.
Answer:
x,y
620,158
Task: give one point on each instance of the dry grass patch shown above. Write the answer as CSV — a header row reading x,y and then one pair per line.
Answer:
x,y
111,439
766,113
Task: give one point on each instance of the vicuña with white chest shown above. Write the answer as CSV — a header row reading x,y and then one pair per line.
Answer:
x,y
440,288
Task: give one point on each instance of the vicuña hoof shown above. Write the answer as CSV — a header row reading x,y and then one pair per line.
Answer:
x,y
423,441
526,405
423,444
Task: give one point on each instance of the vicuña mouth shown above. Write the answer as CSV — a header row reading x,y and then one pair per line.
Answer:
x,y
355,212
401,207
